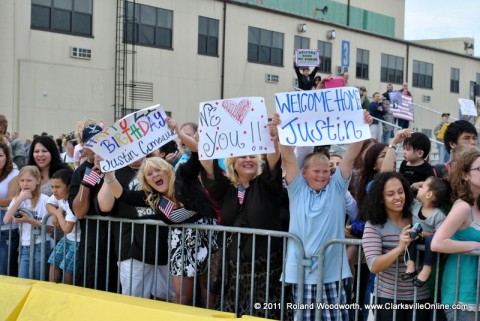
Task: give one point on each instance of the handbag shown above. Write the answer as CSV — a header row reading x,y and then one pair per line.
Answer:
x,y
217,266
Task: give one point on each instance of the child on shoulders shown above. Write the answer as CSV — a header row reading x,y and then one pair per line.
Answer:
x,y
414,167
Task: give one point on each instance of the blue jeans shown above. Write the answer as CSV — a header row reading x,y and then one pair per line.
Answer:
x,y
430,257
9,246
386,136
24,261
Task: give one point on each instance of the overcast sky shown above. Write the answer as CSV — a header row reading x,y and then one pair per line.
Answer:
x,y
433,19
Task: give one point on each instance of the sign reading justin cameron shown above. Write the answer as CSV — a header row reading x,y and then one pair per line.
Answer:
x,y
233,127
321,117
131,138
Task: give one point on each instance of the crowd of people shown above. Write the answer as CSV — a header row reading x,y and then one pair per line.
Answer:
x,y
305,191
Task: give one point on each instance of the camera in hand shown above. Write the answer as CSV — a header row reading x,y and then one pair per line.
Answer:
x,y
417,229
24,211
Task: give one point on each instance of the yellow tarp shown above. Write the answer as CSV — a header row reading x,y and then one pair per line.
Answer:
x,y
24,300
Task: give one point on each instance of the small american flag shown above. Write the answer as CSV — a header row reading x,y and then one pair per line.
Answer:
x,y
240,193
166,206
401,106
92,178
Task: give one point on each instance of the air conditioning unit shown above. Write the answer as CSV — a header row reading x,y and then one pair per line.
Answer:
x,y
341,70
271,78
81,53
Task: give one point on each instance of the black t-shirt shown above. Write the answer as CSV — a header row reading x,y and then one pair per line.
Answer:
x,y
93,234
415,174
122,233
260,208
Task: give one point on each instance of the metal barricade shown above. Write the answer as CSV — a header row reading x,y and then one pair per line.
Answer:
x,y
249,283
355,308
9,240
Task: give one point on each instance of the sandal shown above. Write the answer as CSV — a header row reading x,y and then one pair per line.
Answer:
x,y
419,283
409,275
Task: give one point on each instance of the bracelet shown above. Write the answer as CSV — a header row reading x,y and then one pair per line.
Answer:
x,y
394,147
85,184
111,180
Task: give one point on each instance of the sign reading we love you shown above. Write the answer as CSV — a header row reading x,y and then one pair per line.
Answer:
x,y
131,138
233,127
321,117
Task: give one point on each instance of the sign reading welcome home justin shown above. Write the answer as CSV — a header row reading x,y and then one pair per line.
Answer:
x,y
233,127
321,117
131,138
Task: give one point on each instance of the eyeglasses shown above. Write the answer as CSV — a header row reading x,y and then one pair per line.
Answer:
x,y
475,169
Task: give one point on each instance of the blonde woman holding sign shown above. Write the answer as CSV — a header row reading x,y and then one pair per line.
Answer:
x,y
176,197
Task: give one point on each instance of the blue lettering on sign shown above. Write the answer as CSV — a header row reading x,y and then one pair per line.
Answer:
x,y
345,53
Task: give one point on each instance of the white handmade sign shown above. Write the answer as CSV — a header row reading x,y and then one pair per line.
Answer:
x,y
131,138
233,127
467,107
307,58
321,117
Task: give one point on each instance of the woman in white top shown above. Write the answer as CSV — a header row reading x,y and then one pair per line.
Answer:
x,y
9,233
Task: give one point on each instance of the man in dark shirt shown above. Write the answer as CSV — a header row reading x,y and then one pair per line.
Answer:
x,y
305,79
85,184
376,110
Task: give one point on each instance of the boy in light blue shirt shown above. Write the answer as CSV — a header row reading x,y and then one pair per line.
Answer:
x,y
317,215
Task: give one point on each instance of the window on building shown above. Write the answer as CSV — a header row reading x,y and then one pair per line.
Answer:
x,y
265,46
454,80
67,16
422,74
325,53
149,26
207,36
392,69
301,42
363,57
477,85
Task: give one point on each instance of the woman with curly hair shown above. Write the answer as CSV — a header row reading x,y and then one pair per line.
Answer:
x,y
176,197
387,207
461,233
372,164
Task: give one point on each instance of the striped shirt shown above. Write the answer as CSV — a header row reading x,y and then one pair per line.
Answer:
x,y
390,284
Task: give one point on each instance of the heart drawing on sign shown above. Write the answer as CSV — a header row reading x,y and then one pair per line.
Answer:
x,y
237,110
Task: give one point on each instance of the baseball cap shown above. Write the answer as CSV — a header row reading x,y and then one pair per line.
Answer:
x,y
90,131
445,114
70,137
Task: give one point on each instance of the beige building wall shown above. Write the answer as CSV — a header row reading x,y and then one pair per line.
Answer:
x,y
451,44
395,8
44,89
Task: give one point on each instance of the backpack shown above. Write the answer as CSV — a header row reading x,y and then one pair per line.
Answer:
x,y
442,170
442,131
